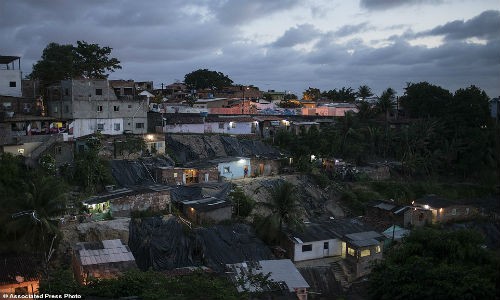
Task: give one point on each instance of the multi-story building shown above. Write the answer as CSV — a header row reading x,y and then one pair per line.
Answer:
x,y
91,105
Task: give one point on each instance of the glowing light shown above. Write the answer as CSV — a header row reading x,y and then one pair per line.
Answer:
x,y
150,137
241,161
426,206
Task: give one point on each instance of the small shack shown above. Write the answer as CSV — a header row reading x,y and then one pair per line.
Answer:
x,y
100,260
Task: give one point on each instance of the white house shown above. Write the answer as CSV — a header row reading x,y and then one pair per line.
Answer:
x,y
234,167
179,123
347,238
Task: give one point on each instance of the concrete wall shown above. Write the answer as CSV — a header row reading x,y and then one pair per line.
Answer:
x,y
216,215
264,167
318,251
8,76
235,169
83,127
417,217
454,213
30,286
176,176
361,266
155,201
228,127
23,149
80,99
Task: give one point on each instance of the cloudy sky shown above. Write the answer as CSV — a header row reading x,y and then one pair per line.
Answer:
x,y
285,45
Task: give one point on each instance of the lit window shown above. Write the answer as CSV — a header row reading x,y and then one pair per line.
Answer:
x,y
378,249
233,124
351,251
365,252
175,175
307,248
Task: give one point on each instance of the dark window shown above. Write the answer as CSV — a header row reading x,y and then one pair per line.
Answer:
x,y
129,106
12,84
128,91
98,92
221,125
421,217
100,126
58,150
66,108
306,248
139,125
325,245
99,108
116,108
66,92
118,91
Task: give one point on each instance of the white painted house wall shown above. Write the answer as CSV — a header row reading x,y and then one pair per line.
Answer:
x,y
318,251
6,77
212,127
83,127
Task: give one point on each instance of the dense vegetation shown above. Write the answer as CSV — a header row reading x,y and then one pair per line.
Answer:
x,y
442,135
436,264
145,285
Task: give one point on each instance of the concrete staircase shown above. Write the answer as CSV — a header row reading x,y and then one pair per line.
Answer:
x,y
340,275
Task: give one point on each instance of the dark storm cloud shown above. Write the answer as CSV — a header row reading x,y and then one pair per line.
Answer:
x,y
387,4
353,29
484,26
236,12
297,35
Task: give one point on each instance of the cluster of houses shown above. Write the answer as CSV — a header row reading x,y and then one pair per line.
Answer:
x,y
56,122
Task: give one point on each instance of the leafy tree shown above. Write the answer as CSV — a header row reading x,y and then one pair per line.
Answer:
x,y
91,172
92,60
290,97
433,264
57,64
364,92
243,203
293,103
311,94
344,94
60,62
204,78
424,100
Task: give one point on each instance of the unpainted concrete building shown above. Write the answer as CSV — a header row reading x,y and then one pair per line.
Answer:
x,y
92,105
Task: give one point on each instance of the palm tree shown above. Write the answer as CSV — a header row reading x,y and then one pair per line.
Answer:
x,y
34,219
386,102
364,92
284,206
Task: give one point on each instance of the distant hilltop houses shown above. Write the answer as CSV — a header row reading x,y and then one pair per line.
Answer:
x,y
36,119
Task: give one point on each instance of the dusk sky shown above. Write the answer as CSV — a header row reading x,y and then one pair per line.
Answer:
x,y
286,45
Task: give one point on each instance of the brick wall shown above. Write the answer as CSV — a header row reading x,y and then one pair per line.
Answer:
x,y
155,201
